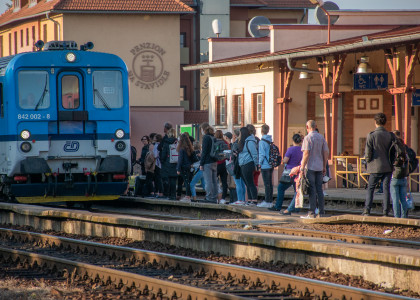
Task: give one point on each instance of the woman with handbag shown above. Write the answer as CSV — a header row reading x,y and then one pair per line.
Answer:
x,y
292,158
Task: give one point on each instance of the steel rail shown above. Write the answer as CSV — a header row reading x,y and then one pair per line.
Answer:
x,y
343,237
299,285
107,275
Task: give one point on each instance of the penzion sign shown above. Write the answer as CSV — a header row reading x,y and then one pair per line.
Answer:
x,y
148,68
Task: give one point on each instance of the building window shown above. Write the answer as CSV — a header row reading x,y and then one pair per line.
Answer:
x,y
183,39
15,42
45,33
182,93
221,110
258,108
21,38
27,36
238,110
10,44
33,35
1,46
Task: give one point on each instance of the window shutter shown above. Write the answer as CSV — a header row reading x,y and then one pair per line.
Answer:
x,y
243,110
263,108
217,106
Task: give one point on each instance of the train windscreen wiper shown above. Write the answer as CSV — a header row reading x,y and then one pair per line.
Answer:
x,y
104,103
41,100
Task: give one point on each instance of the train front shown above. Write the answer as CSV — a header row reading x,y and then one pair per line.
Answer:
x,y
72,123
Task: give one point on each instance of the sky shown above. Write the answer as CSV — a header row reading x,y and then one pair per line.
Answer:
x,y
343,4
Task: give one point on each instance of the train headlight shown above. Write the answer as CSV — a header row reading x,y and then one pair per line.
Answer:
x,y
71,57
25,147
25,134
119,133
120,146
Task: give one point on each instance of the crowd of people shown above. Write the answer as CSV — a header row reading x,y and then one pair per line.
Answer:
x,y
234,162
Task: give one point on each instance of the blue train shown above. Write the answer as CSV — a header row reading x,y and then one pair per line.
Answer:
x,y
64,125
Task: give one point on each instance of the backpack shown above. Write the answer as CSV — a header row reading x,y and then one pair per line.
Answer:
x,y
217,148
274,158
173,153
397,153
413,162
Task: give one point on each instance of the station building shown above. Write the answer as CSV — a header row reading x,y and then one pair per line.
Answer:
x,y
296,74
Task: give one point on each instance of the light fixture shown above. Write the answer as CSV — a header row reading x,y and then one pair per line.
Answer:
x,y
364,66
303,74
119,134
71,57
25,134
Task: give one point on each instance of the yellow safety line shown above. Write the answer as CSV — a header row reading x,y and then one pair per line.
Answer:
x,y
42,199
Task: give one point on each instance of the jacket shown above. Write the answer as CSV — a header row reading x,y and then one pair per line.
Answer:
x,y
206,149
184,161
250,152
264,152
378,143
149,162
168,169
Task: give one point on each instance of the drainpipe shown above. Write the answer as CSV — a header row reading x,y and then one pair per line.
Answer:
x,y
289,65
58,25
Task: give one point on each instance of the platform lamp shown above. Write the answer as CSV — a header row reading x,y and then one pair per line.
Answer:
x,y
364,66
320,3
303,74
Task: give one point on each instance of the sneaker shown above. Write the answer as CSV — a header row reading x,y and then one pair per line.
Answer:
x,y
238,203
366,212
185,199
308,216
286,213
250,203
264,204
222,201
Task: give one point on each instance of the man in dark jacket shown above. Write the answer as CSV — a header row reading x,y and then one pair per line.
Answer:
x,y
208,164
378,144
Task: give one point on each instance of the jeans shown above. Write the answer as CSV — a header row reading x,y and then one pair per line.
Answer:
x,y
247,172
291,207
373,180
186,175
316,195
240,189
210,176
198,175
222,172
281,188
267,175
398,195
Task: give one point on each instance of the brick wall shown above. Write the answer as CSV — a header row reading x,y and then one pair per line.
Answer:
x,y
310,106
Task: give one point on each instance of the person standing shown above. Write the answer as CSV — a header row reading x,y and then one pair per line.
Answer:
x,y
166,127
157,139
208,164
398,185
197,174
239,182
149,166
257,172
265,167
221,169
378,144
168,173
248,161
185,158
292,158
314,161
146,142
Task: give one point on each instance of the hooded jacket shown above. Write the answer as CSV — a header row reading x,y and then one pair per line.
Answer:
x,y
250,152
264,152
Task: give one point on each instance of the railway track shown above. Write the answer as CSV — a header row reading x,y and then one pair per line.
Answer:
x,y
347,238
188,278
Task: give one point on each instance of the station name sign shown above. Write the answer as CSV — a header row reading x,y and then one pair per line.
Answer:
x,y
370,81
416,97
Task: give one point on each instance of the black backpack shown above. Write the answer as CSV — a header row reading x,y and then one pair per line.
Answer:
x,y
413,162
398,153
274,159
217,148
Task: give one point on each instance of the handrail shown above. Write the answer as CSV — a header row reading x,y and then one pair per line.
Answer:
x,y
363,175
416,175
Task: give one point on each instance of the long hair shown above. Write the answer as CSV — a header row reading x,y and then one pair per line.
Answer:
x,y
244,135
207,128
218,134
185,143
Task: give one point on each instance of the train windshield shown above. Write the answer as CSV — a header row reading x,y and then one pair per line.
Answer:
x,y
107,89
70,92
34,90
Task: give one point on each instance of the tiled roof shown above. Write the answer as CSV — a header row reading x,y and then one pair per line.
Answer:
x,y
273,3
155,6
354,44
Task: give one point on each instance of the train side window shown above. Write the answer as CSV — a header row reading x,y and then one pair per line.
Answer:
x,y
107,89
34,90
70,95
